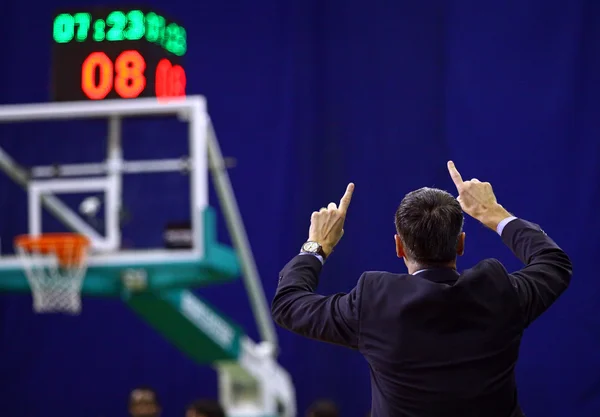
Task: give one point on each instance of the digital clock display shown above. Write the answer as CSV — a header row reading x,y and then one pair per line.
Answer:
x,y
117,53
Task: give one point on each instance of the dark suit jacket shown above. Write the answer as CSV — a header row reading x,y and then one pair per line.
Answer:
x,y
439,343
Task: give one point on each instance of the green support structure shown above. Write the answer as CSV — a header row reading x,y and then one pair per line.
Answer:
x,y
190,323
187,321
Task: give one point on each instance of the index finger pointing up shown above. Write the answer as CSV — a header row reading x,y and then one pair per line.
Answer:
x,y
345,201
455,175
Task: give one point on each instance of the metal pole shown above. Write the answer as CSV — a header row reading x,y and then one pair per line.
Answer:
x,y
252,282
54,205
114,192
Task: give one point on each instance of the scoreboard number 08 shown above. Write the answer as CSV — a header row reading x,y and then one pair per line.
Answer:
x,y
99,75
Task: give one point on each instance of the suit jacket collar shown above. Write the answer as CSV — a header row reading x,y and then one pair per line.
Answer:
x,y
439,275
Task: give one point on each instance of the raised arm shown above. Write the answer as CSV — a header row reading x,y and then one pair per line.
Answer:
x,y
297,308
547,271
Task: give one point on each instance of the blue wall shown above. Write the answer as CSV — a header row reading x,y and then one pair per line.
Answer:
x,y
308,95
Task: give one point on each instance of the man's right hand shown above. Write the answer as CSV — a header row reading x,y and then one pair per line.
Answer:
x,y
477,199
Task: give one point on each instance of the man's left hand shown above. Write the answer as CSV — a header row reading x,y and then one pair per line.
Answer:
x,y
327,224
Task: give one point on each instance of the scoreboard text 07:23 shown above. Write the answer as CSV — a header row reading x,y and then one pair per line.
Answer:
x,y
117,54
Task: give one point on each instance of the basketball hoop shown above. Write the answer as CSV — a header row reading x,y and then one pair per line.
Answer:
x,y
55,265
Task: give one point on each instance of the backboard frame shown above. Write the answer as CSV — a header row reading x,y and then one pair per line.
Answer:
x,y
108,176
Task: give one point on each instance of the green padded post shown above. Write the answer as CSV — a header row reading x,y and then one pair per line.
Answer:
x,y
190,323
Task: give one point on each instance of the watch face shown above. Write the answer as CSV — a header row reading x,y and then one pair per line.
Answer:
x,y
310,247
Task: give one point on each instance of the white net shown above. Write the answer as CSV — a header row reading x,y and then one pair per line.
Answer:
x,y
55,271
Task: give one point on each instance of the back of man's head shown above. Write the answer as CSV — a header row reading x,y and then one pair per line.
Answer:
x,y
323,408
429,222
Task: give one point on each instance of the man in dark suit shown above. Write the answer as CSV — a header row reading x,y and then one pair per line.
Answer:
x,y
439,343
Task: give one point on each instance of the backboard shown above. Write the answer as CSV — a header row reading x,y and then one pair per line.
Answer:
x,y
146,213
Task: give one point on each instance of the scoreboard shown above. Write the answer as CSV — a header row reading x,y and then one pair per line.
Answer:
x,y
117,54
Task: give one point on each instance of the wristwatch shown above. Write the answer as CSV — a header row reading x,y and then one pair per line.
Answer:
x,y
313,248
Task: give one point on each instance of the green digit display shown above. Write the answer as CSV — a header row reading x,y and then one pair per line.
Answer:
x,y
172,37
117,21
82,21
99,30
64,28
156,27
180,45
175,39
151,31
131,25
168,37
136,28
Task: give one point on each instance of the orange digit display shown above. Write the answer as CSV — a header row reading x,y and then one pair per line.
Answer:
x,y
97,62
160,82
177,81
126,77
130,80
170,80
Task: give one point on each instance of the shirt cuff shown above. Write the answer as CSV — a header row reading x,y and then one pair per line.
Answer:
x,y
503,224
316,255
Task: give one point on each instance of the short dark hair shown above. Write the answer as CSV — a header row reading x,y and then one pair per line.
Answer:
x,y
323,408
429,222
208,408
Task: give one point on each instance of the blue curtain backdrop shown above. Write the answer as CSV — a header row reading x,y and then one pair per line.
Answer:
x,y
307,95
